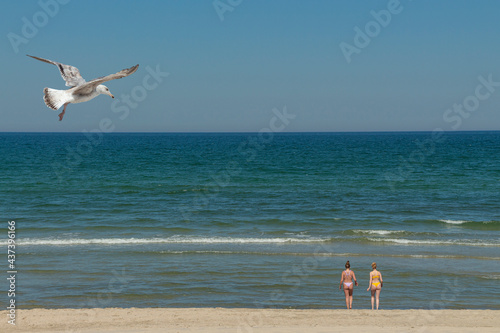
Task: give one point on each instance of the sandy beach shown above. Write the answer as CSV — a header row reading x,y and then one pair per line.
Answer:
x,y
217,320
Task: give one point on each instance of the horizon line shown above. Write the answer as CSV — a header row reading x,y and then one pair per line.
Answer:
x,y
247,132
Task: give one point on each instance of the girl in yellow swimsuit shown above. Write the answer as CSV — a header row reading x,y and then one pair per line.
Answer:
x,y
376,284
347,280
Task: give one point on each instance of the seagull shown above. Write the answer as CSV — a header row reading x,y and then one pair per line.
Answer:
x,y
81,90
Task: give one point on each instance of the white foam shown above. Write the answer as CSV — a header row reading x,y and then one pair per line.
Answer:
x,y
403,241
169,240
378,232
491,277
464,221
455,221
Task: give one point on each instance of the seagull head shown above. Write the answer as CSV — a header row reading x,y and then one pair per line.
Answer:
x,y
102,89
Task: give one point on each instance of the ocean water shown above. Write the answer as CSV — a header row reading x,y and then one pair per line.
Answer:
x,y
245,220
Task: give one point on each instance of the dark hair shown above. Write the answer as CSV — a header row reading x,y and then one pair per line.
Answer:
x,y
347,264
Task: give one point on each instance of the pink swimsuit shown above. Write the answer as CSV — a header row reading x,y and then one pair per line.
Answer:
x,y
347,284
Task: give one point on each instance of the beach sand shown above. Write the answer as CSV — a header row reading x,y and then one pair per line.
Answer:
x,y
222,320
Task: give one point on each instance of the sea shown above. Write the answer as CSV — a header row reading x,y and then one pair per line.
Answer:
x,y
250,220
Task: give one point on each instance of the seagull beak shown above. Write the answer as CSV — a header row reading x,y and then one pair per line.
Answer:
x,y
112,96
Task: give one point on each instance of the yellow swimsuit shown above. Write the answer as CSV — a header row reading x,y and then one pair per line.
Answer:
x,y
375,283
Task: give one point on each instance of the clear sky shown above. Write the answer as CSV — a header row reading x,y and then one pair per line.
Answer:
x,y
335,65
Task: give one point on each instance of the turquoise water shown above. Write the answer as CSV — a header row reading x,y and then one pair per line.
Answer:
x,y
242,220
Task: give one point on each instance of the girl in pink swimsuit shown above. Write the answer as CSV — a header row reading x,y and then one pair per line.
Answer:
x,y
346,280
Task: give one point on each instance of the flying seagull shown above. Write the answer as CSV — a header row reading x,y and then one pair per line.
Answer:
x,y
81,90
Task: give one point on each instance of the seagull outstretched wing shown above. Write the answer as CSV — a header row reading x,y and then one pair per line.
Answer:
x,y
70,74
88,87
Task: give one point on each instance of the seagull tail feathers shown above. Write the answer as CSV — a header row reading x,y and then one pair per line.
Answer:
x,y
53,98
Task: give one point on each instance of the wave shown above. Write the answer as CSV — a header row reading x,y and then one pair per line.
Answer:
x,y
169,240
266,253
491,277
455,221
384,233
460,222
332,254
242,240
471,242
379,232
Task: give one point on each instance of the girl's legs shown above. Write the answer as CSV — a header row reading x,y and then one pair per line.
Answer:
x,y
378,297
373,297
346,292
350,297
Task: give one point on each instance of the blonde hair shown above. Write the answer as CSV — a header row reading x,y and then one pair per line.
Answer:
x,y
374,265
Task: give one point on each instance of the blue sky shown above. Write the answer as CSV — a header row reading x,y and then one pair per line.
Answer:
x,y
228,68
